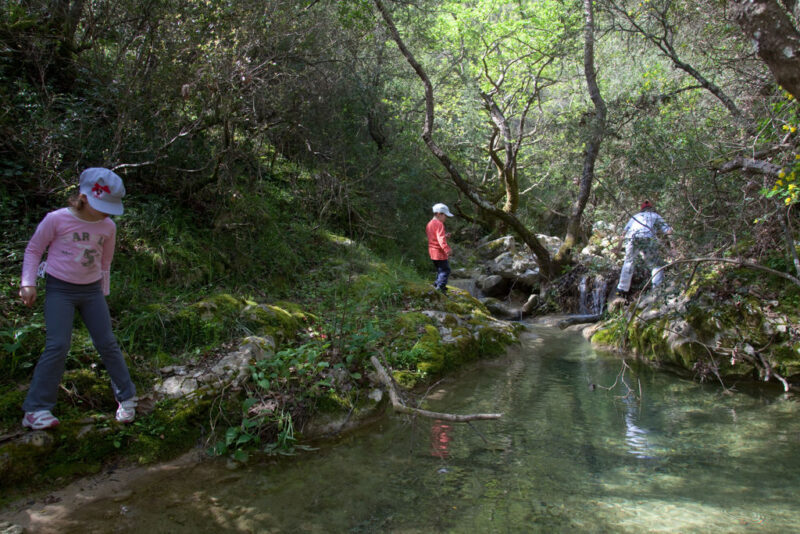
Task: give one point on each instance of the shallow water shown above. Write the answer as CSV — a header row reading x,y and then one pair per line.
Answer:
x,y
663,455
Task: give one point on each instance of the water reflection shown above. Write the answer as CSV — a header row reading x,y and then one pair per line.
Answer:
x,y
635,436
440,439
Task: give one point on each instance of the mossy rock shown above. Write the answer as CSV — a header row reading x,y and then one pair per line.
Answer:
x,y
280,323
606,337
172,428
438,355
408,379
410,321
786,358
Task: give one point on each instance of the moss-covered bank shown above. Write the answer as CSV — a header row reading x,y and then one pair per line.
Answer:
x,y
296,376
729,325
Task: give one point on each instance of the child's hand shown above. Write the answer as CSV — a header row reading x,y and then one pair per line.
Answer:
x,y
28,295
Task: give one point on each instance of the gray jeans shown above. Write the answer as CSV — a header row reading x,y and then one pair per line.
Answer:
x,y
647,248
61,300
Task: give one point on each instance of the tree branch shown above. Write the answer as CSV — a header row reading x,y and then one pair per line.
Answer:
x,y
398,405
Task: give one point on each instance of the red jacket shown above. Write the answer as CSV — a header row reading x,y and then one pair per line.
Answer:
x,y
437,240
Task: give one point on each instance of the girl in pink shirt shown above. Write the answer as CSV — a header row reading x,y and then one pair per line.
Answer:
x,y
80,246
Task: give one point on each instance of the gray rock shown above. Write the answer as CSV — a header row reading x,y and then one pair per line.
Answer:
x,y
492,248
500,309
37,438
176,386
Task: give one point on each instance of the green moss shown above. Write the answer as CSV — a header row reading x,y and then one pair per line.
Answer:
x,y
410,321
431,350
173,427
408,379
336,401
606,337
686,354
786,358
276,321
88,388
19,465
11,408
437,355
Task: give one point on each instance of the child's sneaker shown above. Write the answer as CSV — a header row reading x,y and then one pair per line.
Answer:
x,y
126,411
40,420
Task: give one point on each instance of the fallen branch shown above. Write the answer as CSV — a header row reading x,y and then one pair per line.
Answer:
x,y
579,319
398,405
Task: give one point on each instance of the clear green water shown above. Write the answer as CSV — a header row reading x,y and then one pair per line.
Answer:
x,y
564,458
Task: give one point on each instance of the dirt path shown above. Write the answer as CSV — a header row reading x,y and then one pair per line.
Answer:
x,y
51,514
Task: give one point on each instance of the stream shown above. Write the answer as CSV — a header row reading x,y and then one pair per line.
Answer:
x,y
580,448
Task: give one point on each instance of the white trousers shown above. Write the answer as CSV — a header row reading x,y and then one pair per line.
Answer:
x,y
647,248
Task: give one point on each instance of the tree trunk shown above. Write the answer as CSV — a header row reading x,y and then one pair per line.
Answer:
x,y
776,38
506,167
597,128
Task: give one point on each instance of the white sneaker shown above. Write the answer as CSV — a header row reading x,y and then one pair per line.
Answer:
x,y
126,411
40,420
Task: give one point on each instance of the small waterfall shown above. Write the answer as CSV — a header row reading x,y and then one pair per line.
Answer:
x,y
583,300
599,294
592,293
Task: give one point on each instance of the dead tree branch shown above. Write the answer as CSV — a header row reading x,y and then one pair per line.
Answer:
x,y
399,406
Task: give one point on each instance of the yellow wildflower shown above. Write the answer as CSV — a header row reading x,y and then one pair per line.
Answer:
x,y
779,183
781,174
788,200
793,129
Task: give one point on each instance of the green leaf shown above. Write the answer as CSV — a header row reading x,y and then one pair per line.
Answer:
x,y
230,435
248,403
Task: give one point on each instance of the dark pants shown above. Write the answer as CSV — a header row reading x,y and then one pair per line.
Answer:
x,y
61,300
442,274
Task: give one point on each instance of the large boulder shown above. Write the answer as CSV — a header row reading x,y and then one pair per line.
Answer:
x,y
491,249
517,268
493,285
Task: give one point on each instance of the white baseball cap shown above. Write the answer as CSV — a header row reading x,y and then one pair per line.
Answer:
x,y
103,189
442,208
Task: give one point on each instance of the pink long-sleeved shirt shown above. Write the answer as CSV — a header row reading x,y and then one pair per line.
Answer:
x,y
78,251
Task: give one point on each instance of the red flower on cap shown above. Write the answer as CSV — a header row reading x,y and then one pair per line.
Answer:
x,y
98,189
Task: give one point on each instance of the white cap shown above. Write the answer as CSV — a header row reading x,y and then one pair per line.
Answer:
x,y
442,208
103,189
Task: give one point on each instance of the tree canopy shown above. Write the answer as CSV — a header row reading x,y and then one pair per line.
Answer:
x,y
552,114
